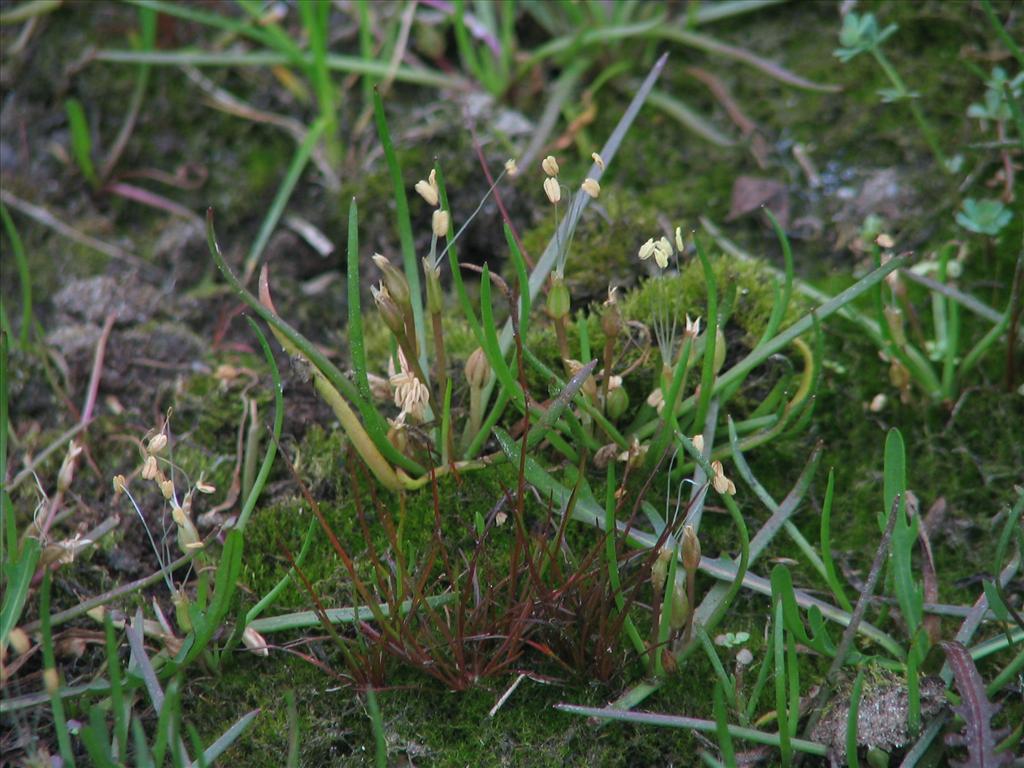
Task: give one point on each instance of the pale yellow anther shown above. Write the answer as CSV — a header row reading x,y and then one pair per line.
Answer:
x,y
646,250
552,189
428,190
439,223
550,165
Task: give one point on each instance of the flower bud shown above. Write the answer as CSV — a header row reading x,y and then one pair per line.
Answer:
x,y
477,369
67,467
605,455
698,443
550,165
439,222
432,278
19,641
254,641
188,536
899,376
389,311
618,401
157,443
181,603
51,680
894,319
691,549
394,280
659,571
680,607
558,301
611,320
719,350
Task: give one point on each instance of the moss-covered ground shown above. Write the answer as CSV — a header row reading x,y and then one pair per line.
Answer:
x,y
967,453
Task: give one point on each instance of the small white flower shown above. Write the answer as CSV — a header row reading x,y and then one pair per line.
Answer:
x,y
692,327
410,394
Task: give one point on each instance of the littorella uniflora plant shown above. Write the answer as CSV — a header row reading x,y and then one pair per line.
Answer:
x,y
559,302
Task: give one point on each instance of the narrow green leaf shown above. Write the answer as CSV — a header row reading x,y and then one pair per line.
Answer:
x,y
404,225
81,141
284,193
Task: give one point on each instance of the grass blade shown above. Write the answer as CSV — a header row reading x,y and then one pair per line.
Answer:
x,y
404,224
284,192
24,278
